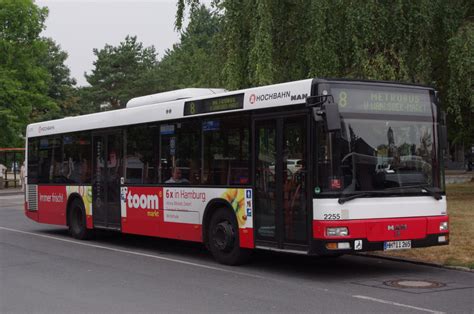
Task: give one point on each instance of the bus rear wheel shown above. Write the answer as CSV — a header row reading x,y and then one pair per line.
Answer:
x,y
223,238
77,221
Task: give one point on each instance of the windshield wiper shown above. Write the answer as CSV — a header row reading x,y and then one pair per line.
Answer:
x,y
344,199
424,187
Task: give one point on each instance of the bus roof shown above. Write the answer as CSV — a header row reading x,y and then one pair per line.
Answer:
x,y
171,105
291,93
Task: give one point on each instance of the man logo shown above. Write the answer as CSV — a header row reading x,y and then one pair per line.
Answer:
x,y
397,228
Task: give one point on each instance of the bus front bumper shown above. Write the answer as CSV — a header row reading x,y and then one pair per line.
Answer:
x,y
334,247
378,234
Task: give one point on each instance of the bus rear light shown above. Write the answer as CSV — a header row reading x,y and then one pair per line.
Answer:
x,y
337,232
443,226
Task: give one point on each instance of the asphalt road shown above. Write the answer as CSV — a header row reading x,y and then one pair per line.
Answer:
x,y
43,270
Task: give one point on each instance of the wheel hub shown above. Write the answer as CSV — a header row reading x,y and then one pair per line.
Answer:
x,y
224,236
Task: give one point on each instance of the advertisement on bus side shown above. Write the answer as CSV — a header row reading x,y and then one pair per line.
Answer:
x,y
177,212
52,202
183,204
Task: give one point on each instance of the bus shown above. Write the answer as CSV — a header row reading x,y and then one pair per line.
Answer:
x,y
316,167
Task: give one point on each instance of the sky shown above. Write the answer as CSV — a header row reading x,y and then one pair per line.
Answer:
x,y
78,26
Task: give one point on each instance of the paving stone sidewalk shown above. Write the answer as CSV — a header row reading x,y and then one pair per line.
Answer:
x,y
458,176
10,191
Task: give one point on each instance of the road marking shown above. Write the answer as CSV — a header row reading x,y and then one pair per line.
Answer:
x,y
178,261
396,304
135,253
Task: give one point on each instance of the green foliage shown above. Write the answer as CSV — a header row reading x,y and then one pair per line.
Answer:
x,y
192,62
461,83
24,81
261,51
122,72
243,43
21,21
181,7
235,39
424,41
53,60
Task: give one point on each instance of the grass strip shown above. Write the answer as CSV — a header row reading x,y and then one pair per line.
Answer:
x,y
460,251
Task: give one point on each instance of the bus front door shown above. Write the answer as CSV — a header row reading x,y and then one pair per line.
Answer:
x,y
281,206
107,171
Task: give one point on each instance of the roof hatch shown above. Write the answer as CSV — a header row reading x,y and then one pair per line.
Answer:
x,y
172,95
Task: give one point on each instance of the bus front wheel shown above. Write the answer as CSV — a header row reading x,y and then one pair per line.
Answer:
x,y
223,238
77,221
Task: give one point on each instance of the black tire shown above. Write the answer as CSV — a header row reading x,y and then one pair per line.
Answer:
x,y
77,221
223,238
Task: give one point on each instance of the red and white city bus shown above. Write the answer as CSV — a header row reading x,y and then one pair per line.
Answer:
x,y
320,167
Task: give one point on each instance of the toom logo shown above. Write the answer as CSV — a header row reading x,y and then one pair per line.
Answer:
x,y
143,201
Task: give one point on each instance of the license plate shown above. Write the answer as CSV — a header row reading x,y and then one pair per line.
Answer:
x,y
397,245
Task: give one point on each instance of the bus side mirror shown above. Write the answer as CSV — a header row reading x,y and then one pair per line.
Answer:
x,y
333,119
328,110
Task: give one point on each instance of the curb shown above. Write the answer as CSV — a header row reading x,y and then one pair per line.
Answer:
x,y
416,262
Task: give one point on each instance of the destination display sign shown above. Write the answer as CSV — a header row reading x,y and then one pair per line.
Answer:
x,y
214,104
382,100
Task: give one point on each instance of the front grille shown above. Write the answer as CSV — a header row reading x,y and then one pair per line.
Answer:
x,y
32,197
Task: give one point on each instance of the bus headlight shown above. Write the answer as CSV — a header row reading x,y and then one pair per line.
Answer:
x,y
337,232
443,226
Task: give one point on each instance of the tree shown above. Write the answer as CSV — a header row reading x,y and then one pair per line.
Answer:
x,y
425,42
194,62
460,98
54,61
122,72
181,5
23,80
261,53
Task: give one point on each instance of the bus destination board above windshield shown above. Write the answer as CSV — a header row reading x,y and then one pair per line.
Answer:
x,y
382,100
214,104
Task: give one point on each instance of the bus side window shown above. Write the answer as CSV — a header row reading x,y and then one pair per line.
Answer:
x,y
76,162
226,150
50,160
180,148
33,160
76,165
188,149
140,163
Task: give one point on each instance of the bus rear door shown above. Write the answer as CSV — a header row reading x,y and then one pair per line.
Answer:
x,y
107,172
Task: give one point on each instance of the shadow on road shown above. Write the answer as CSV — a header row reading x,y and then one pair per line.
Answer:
x,y
347,267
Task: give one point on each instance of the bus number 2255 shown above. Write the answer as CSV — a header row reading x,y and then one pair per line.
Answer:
x,y
332,216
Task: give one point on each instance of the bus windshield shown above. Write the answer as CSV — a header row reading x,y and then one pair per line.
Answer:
x,y
387,143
